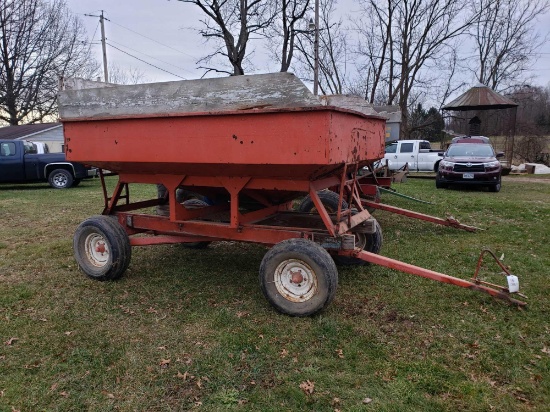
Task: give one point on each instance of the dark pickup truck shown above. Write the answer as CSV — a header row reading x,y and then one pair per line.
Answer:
x,y
20,163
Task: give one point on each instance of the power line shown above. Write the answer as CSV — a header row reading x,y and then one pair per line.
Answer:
x,y
151,57
149,38
143,61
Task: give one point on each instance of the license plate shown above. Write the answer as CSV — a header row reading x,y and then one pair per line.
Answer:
x,y
468,176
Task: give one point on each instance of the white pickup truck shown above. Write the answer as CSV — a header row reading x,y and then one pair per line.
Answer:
x,y
418,154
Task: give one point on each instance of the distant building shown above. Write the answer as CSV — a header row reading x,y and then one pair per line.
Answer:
x,y
49,133
393,124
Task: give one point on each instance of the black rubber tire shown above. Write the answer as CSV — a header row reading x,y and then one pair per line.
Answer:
x,y
496,187
328,198
303,256
60,179
371,242
436,166
439,184
195,204
106,232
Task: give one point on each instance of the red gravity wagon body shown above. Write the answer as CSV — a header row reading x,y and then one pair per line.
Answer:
x,y
232,157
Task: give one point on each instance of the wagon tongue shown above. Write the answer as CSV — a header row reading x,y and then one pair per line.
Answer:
x,y
497,291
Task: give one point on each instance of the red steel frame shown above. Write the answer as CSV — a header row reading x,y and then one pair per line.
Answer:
x,y
185,225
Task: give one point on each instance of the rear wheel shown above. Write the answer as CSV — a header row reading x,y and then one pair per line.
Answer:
x,y
298,277
328,198
102,248
60,179
195,204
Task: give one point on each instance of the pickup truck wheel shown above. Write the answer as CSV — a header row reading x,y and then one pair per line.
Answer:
x,y
370,242
328,198
439,184
102,248
495,188
60,179
298,277
195,204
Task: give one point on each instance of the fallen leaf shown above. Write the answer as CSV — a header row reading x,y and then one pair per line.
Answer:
x,y
10,341
335,402
308,387
367,401
340,353
108,395
183,376
545,350
68,333
164,363
161,348
151,310
64,394
283,353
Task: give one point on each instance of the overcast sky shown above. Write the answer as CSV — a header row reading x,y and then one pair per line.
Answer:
x,y
160,33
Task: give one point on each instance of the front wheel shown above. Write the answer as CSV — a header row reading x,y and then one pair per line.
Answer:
x,y
60,179
329,200
439,184
298,277
496,187
370,242
102,248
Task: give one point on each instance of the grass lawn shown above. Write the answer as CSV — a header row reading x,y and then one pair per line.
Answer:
x,y
190,329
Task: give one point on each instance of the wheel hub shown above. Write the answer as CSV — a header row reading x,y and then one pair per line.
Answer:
x,y
97,250
295,280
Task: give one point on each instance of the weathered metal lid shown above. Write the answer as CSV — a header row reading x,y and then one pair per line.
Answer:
x,y
480,97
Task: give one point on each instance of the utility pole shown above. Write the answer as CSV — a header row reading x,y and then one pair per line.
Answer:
x,y
316,51
104,47
103,44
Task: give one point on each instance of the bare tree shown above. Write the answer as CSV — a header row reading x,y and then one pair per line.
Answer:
x,y
231,23
291,17
131,75
401,38
505,39
333,50
40,41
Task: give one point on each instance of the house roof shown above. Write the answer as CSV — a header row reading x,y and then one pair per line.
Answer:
x,y
480,97
26,130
